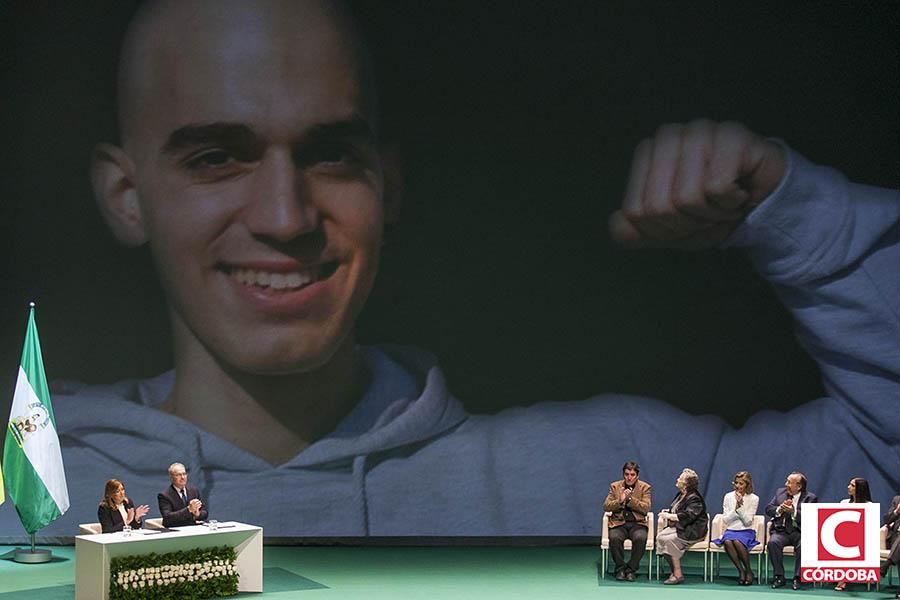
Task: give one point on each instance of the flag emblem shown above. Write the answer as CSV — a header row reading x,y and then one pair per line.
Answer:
x,y
23,426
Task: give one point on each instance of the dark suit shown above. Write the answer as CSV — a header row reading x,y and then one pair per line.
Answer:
x,y
892,521
785,531
111,519
174,510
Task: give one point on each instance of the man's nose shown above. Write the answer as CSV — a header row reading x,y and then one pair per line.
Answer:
x,y
281,205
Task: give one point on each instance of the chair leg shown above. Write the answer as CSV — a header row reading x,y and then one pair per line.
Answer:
x,y
603,563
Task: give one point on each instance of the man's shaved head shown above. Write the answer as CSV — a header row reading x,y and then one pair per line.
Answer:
x,y
168,41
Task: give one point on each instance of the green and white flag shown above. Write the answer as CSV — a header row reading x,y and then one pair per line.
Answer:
x,y
32,461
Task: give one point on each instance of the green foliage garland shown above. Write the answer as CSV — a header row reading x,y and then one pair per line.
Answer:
x,y
182,575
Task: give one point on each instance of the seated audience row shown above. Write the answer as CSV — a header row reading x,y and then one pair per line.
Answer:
x,y
686,522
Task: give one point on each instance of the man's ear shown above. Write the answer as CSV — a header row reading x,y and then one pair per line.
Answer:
x,y
394,187
112,175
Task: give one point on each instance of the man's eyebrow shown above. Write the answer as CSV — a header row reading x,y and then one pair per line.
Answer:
x,y
192,135
353,127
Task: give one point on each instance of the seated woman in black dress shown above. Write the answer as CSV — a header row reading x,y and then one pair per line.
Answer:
x,y
686,523
116,511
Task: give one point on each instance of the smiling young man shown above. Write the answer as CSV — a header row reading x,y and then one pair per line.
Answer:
x,y
249,162
259,189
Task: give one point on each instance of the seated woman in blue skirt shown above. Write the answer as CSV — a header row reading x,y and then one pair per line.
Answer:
x,y
738,510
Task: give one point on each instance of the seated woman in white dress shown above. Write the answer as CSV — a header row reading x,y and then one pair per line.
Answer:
x,y
738,509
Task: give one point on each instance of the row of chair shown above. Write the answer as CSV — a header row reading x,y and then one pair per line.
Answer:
x,y
711,552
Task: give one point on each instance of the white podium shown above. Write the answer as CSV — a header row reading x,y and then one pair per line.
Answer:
x,y
94,552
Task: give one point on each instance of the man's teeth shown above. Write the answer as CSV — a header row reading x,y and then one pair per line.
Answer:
x,y
276,281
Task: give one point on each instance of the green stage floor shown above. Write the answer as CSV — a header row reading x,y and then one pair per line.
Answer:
x,y
375,573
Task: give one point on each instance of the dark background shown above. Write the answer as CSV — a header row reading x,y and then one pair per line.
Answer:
x,y
517,122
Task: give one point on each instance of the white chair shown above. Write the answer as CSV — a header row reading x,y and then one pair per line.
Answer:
x,y
89,528
717,528
787,551
604,545
701,546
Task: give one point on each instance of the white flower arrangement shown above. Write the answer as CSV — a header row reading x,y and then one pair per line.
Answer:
x,y
171,573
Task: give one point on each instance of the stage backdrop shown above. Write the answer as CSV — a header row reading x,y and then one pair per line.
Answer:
x,y
516,124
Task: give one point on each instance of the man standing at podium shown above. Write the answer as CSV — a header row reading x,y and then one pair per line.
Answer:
x,y
180,504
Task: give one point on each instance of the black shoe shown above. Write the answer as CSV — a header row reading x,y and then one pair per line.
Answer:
x,y
778,583
620,575
630,576
795,584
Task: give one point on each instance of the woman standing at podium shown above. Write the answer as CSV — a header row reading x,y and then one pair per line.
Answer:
x,y
116,511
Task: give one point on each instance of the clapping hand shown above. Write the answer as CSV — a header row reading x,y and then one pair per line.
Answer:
x,y
194,507
140,511
136,514
788,506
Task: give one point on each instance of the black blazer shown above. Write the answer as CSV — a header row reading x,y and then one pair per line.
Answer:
x,y
174,511
111,520
784,523
692,518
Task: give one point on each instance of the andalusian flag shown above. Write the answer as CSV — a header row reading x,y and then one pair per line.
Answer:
x,y
32,461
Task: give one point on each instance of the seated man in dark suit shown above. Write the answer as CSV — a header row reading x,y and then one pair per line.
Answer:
x,y
892,522
784,512
628,502
180,504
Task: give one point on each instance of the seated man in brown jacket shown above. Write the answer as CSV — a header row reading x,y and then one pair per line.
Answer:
x,y
628,502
